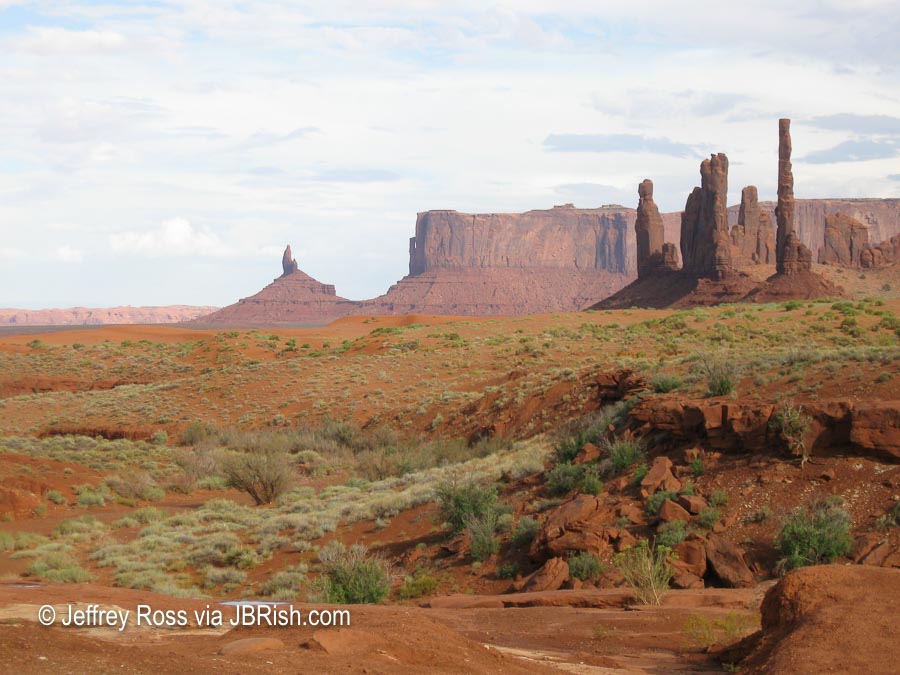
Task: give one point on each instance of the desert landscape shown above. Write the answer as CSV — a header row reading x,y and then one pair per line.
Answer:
x,y
653,437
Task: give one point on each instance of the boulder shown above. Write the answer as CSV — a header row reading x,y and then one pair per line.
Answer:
x,y
670,511
589,453
726,562
693,504
550,577
691,556
875,428
658,475
575,525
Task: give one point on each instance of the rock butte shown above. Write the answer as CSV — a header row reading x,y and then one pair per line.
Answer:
x,y
568,259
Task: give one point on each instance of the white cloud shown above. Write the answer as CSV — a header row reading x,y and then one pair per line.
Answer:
x,y
61,41
173,238
68,254
7,253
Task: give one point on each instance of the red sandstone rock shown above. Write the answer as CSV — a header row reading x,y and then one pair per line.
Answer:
x,y
845,238
288,264
660,472
589,453
753,238
884,254
550,577
692,503
653,253
670,511
705,236
726,561
784,212
691,556
875,428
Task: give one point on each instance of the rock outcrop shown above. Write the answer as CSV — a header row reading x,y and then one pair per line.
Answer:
x,y
288,264
845,238
653,252
882,255
105,316
752,239
792,255
294,298
705,237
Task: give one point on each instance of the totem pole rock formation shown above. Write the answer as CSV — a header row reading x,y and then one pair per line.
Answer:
x,y
792,256
653,253
288,264
845,238
705,235
753,237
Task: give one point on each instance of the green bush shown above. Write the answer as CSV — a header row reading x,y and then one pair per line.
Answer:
x,y
352,576
720,371
814,536
265,473
482,531
698,467
55,496
585,566
663,384
646,570
671,534
58,568
420,584
623,453
463,499
284,584
708,517
718,498
640,472
525,531
793,424
565,477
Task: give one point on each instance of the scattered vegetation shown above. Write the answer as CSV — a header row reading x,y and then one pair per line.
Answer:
x,y
816,535
352,575
646,570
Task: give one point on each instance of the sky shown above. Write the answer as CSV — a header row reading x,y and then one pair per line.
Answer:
x,y
165,151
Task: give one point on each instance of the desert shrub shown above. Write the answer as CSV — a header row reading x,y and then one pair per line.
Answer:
x,y
671,534
199,462
352,576
647,570
720,371
814,536
196,432
762,514
585,566
663,384
793,425
565,477
159,438
463,499
228,577
889,519
708,517
574,435
483,541
79,527
718,498
525,531
640,472
89,495
284,584
54,496
698,468
139,485
420,584
702,633
655,501
509,570
264,474
58,568
623,453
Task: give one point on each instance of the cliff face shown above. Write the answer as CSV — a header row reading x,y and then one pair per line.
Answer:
x,y
105,316
563,238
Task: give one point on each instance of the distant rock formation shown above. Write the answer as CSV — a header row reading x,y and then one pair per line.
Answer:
x,y
791,258
882,255
845,238
105,316
559,259
653,252
288,264
705,238
294,298
752,239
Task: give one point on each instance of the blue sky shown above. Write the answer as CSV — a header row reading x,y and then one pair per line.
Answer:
x,y
165,152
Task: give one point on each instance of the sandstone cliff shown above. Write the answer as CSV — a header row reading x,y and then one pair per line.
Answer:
x,y
845,238
882,255
84,316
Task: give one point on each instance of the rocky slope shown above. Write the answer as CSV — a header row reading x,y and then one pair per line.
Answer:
x,y
84,316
